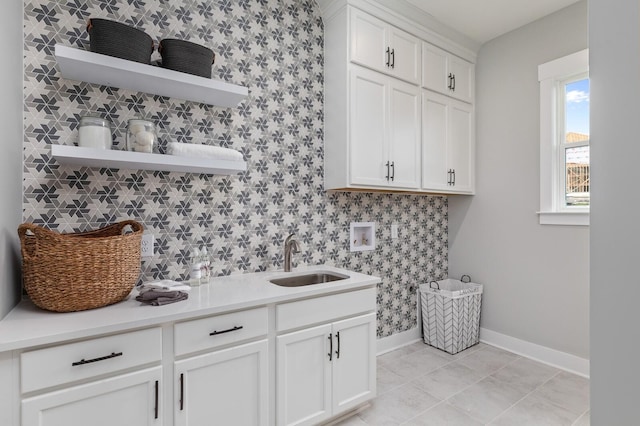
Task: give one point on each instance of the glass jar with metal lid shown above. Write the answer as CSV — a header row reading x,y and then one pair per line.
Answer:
x,y
94,132
141,135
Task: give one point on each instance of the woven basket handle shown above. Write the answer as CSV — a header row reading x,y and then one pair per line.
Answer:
x,y
28,240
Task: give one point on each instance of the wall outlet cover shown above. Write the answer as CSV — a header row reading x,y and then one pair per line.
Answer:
x,y
147,245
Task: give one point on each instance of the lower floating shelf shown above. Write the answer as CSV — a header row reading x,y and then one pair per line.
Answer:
x,y
91,157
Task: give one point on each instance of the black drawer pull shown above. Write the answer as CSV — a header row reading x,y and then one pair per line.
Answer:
x,y
156,407
102,358
214,333
181,391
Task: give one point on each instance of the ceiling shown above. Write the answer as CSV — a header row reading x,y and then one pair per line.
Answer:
x,y
483,20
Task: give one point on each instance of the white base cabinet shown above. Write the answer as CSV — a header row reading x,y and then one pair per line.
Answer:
x,y
128,399
325,370
225,387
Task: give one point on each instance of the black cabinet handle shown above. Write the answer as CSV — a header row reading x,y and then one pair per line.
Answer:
x,y
388,56
454,177
215,333
387,176
181,391
393,58
450,79
393,170
102,358
156,409
453,81
330,346
449,177
338,351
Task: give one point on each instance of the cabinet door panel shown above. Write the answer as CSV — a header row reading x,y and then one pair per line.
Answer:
x,y
405,61
464,73
230,386
303,378
461,152
434,68
129,399
435,119
354,366
368,149
404,128
368,41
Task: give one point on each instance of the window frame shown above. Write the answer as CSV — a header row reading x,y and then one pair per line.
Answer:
x,y
553,210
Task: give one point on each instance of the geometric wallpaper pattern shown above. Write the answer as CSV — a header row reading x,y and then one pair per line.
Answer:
x,y
275,48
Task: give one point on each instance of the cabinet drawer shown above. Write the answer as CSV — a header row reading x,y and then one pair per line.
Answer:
x,y
211,332
326,308
57,365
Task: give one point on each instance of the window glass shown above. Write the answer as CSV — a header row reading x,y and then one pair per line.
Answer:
x,y
576,143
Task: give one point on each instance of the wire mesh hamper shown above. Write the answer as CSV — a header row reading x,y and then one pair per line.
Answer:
x,y
75,272
451,314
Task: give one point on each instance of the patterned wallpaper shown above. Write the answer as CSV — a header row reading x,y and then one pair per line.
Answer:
x,y
275,47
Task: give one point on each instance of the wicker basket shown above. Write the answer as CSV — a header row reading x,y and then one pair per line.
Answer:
x,y
187,57
120,40
75,272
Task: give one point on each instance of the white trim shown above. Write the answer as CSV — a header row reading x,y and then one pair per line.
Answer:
x,y
398,340
551,177
564,218
555,358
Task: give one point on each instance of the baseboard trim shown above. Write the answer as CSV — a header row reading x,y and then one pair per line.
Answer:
x,y
555,358
398,340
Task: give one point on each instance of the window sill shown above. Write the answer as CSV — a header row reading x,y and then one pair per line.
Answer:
x,y
564,218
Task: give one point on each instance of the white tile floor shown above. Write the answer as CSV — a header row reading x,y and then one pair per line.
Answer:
x,y
483,385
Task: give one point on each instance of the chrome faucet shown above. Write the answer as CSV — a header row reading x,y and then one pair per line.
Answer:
x,y
290,246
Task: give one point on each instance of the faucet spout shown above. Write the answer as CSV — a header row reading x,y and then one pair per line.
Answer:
x,y
290,246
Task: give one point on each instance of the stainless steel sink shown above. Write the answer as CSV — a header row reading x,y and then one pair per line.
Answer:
x,y
311,278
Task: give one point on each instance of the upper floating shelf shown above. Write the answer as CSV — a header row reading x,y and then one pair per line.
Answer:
x,y
81,65
92,157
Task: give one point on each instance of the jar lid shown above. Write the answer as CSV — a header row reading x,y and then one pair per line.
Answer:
x,y
90,120
140,121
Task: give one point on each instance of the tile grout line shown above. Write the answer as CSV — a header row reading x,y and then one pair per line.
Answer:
x,y
525,396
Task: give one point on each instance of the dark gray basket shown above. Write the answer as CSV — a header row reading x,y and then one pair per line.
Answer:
x,y
120,40
184,56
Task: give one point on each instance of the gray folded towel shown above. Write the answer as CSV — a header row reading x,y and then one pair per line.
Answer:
x,y
159,298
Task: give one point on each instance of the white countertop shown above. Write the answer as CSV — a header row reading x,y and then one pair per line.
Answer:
x,y
26,325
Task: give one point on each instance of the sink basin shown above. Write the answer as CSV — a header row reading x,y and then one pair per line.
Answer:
x,y
311,278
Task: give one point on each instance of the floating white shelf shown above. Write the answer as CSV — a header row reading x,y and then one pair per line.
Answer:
x,y
81,65
91,157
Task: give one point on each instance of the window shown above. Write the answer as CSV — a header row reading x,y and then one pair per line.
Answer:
x,y
564,140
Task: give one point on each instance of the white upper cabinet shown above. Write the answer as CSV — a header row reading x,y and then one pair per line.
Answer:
x,y
448,144
384,131
383,47
448,74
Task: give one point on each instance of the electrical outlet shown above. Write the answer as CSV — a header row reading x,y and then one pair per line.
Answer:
x,y
146,248
394,231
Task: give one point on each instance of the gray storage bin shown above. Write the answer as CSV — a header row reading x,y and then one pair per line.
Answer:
x,y
451,314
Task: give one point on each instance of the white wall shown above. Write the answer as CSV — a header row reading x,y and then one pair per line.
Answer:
x,y
11,158
536,277
614,34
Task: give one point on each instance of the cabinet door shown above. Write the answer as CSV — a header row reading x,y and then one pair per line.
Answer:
x,y
129,399
354,365
405,55
368,128
463,79
434,68
368,41
303,376
404,131
461,150
229,386
435,127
